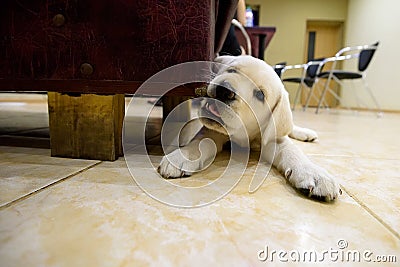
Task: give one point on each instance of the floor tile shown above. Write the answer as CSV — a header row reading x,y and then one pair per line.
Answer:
x,y
374,183
101,218
96,214
26,170
345,133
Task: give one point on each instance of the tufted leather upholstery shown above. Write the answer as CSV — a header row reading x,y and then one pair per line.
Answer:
x,y
101,40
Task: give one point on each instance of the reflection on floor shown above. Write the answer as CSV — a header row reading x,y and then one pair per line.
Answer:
x,y
66,212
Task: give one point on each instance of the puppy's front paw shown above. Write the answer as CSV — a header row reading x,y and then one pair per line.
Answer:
x,y
175,165
303,134
314,181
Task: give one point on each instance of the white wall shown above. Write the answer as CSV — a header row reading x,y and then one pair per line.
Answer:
x,y
369,21
290,19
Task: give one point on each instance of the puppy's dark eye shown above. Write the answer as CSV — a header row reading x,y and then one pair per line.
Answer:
x,y
231,71
259,95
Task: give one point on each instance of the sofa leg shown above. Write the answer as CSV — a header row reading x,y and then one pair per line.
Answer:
x,y
170,102
86,126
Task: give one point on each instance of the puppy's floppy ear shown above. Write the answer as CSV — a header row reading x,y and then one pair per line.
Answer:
x,y
225,59
281,122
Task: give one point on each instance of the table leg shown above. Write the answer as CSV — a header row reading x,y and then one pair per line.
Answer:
x,y
261,45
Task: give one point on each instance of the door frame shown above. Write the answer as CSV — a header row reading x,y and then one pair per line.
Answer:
x,y
315,26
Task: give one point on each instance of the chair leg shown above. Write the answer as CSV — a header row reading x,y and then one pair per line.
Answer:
x,y
322,95
296,98
366,86
309,95
353,89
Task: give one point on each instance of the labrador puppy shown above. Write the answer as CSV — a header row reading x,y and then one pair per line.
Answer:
x,y
248,104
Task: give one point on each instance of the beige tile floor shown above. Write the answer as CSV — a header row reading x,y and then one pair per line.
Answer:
x,y
64,212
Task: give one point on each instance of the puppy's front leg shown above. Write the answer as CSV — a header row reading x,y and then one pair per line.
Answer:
x,y
193,156
303,174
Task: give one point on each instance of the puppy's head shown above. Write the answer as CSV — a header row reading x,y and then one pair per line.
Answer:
x,y
247,88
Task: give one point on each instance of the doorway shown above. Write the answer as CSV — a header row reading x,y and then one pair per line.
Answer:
x,y
323,39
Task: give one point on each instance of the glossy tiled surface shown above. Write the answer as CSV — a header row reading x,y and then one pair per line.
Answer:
x,y
24,171
98,216
19,113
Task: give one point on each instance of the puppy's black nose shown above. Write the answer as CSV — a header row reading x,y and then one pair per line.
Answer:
x,y
224,92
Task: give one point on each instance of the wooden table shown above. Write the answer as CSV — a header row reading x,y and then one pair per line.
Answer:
x,y
260,37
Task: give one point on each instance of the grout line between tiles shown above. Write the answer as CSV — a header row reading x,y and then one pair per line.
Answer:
x,y
372,213
22,198
348,156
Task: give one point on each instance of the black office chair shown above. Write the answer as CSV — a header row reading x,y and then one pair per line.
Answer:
x,y
364,54
278,68
307,78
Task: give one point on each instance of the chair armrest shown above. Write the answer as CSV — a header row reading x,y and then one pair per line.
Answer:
x,y
292,67
355,48
237,24
334,59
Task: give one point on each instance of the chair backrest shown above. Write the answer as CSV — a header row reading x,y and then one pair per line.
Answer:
x,y
312,71
313,68
366,56
279,67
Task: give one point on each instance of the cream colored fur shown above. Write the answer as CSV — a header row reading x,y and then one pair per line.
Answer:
x,y
266,122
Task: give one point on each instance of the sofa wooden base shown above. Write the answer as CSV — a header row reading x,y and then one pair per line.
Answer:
x,y
86,126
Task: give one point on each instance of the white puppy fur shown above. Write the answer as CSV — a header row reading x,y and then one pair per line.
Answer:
x,y
248,89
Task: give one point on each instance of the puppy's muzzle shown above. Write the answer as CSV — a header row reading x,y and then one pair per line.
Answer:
x,y
224,92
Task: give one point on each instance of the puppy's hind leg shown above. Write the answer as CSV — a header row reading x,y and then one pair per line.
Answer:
x,y
303,134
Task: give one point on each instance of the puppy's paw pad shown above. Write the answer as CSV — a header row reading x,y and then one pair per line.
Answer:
x,y
314,182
